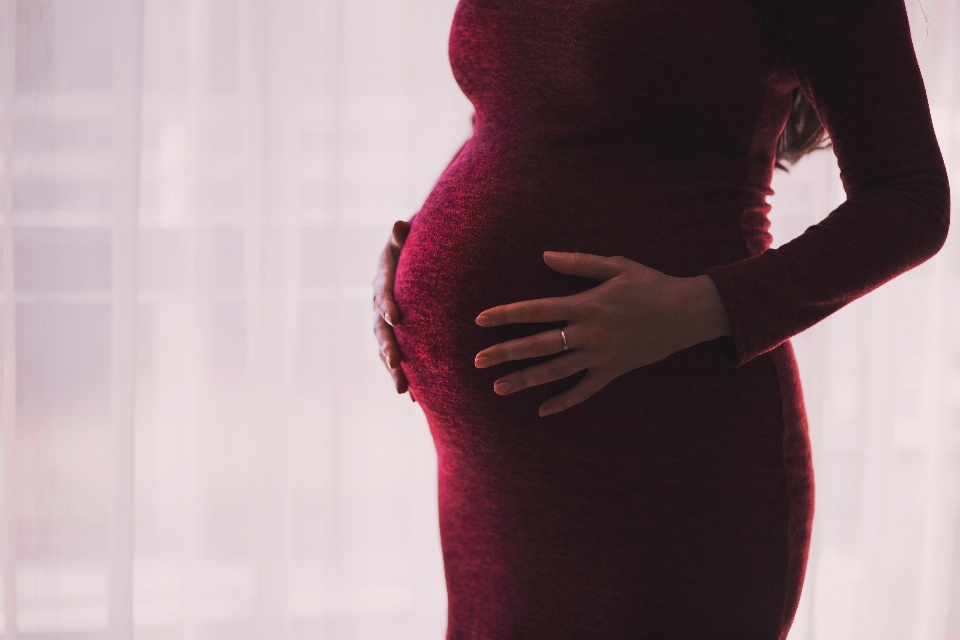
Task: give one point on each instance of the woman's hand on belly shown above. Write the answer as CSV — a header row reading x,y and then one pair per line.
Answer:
x,y
385,312
635,317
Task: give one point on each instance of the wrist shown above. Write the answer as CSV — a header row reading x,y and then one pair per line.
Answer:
x,y
706,315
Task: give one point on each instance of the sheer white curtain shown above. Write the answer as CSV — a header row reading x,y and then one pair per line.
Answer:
x,y
198,439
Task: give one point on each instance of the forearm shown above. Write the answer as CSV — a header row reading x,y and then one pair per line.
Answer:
x,y
705,316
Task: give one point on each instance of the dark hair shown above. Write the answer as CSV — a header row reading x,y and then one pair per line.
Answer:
x,y
803,134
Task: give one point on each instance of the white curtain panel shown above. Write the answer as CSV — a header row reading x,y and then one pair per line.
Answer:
x,y
198,438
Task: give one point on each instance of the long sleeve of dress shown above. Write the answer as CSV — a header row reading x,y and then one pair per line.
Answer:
x,y
856,64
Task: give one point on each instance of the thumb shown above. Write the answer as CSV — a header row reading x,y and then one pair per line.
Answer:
x,y
584,264
401,229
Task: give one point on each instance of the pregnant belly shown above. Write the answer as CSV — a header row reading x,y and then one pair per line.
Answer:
x,y
476,243
479,239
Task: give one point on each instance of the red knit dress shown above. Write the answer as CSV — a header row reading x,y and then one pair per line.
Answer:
x,y
677,501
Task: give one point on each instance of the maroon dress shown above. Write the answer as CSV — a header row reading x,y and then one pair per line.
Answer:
x,y
677,501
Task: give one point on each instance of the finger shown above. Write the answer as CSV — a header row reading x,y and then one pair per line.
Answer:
x,y
383,300
390,353
556,369
586,265
388,343
539,310
387,271
401,229
591,383
385,307
542,344
399,379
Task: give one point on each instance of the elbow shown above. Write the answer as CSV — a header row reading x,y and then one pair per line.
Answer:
x,y
938,213
928,201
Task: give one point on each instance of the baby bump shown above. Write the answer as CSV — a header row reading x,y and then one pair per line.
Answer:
x,y
478,242
450,270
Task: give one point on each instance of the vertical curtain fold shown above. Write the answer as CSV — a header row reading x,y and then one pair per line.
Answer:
x,y
8,336
127,73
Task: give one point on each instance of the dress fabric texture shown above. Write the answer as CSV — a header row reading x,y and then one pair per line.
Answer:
x,y
676,502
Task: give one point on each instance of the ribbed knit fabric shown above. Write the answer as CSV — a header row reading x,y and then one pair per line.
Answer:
x,y
677,501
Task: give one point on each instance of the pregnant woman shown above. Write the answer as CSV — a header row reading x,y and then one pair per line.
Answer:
x,y
589,313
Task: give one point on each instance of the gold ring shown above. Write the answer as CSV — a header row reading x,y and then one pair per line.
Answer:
x,y
563,336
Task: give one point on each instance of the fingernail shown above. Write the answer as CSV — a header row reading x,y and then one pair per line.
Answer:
x,y
386,318
483,361
554,255
392,361
546,411
483,321
502,387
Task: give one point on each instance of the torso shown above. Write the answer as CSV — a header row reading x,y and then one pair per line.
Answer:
x,y
659,507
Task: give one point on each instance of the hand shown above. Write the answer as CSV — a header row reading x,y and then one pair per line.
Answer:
x,y
386,314
635,317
